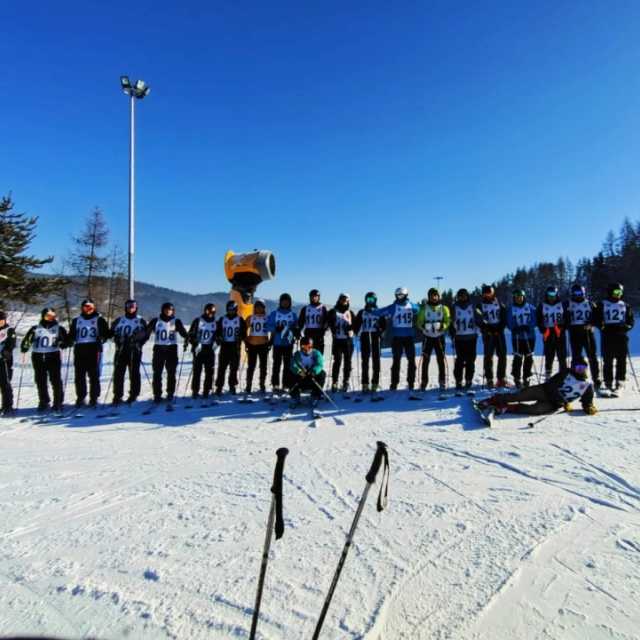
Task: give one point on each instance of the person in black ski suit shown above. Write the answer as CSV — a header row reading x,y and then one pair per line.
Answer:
x,y
552,324
129,333
202,337
231,331
88,333
340,321
579,311
491,318
614,317
312,320
46,339
370,326
165,349
7,345
464,333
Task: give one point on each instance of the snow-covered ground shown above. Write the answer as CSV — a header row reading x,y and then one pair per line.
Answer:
x,y
153,526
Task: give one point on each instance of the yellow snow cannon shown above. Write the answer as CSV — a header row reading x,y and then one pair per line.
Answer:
x,y
245,271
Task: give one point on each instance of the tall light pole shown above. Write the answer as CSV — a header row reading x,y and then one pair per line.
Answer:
x,y
437,279
136,91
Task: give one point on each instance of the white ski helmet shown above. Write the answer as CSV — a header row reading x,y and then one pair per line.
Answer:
x,y
401,293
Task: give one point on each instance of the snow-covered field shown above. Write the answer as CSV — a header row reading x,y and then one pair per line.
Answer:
x,y
153,526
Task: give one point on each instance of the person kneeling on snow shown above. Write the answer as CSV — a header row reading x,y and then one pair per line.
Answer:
x,y
307,370
557,392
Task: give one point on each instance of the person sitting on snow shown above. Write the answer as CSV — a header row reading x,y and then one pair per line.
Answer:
x,y
560,390
307,370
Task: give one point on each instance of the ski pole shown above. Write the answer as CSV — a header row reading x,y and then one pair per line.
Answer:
x,y
66,375
381,457
633,371
113,373
22,367
184,355
325,394
146,373
544,417
275,515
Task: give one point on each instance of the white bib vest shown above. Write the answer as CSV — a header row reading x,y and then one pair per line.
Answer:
x,y
86,330
165,335
369,322
46,340
230,328
433,321
464,320
614,312
126,327
552,314
343,320
522,315
403,316
258,326
491,312
572,388
313,317
579,312
206,332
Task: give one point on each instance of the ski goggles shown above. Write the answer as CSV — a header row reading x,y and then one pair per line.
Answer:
x,y
371,300
580,368
617,293
552,294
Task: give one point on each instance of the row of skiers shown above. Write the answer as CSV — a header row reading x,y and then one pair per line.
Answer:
x,y
281,329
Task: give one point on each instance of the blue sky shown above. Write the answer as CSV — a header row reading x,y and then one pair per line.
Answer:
x,y
369,145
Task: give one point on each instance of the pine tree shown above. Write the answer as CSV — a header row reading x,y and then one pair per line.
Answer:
x,y
86,260
18,283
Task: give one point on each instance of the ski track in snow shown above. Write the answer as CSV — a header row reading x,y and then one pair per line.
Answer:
x,y
152,526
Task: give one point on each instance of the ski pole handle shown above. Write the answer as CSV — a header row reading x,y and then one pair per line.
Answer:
x,y
381,453
276,489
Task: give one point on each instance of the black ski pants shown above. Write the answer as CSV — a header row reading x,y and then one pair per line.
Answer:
x,y
6,371
229,359
341,351
522,364
127,357
465,364
203,360
555,346
583,340
542,404
430,345
164,357
317,335
494,343
306,383
47,369
86,364
400,345
615,347
257,354
282,358
370,350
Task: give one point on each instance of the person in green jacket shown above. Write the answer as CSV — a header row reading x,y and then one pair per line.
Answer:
x,y
307,369
433,321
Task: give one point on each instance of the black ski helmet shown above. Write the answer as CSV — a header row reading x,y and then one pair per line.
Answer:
x,y
313,293
231,306
578,291
88,301
433,293
519,293
551,291
462,293
167,306
370,299
305,340
47,310
285,297
580,363
488,290
615,286
3,315
209,307
130,303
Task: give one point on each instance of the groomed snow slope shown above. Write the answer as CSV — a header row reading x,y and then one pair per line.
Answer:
x,y
153,526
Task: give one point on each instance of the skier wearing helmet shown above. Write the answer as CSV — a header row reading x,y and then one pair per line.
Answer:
x,y
282,323
464,333
202,338
552,322
165,330
491,318
521,320
402,314
231,331
312,320
370,327
257,344
579,313
433,321
340,321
